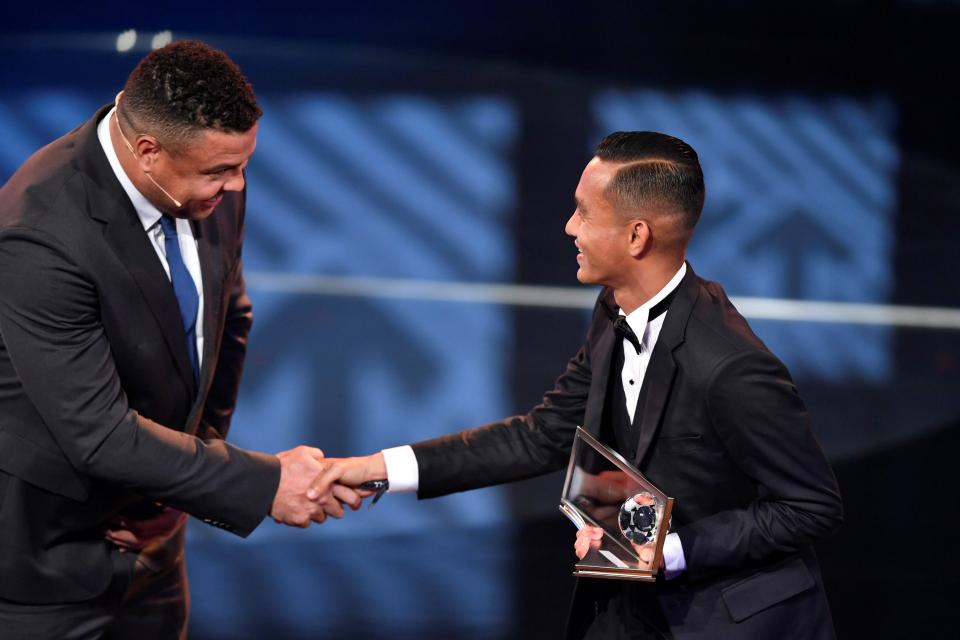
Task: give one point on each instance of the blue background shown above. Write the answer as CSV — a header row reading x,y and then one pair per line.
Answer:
x,y
444,144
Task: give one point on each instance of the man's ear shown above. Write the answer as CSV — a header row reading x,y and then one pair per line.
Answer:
x,y
148,151
640,237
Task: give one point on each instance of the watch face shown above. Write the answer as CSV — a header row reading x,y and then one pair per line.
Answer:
x,y
638,518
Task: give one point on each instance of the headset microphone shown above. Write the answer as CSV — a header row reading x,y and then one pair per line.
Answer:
x,y
116,115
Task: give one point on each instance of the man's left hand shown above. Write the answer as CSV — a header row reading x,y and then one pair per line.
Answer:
x,y
135,534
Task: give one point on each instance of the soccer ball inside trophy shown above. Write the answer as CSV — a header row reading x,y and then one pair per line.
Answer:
x,y
638,518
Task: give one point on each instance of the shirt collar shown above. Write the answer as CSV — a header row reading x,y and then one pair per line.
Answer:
x,y
149,215
637,319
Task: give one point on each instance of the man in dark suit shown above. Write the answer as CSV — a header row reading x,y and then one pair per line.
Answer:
x,y
673,378
123,329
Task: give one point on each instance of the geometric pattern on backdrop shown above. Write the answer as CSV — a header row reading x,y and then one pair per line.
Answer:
x,y
387,186
801,195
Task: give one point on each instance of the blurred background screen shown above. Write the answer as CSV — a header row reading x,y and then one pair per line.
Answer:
x,y
410,275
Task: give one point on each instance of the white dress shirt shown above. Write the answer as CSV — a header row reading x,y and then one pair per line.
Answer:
x,y
635,364
403,472
150,219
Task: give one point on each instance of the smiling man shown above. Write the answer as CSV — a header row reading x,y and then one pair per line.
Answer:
x,y
672,377
123,329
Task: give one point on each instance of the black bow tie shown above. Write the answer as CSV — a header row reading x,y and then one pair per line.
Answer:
x,y
623,329
625,332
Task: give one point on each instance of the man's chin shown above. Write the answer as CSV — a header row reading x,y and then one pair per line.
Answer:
x,y
584,277
200,210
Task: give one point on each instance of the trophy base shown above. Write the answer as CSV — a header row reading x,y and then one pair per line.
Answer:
x,y
604,563
615,574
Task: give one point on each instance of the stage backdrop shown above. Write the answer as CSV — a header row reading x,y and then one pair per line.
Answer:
x,y
410,277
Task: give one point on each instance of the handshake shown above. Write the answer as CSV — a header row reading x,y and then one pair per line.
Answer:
x,y
313,487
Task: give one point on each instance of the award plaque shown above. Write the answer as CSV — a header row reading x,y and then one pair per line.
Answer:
x,y
604,490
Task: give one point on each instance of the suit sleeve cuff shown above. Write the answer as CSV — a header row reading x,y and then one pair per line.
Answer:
x,y
673,561
403,473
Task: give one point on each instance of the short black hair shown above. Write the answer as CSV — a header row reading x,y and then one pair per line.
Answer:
x,y
185,87
658,170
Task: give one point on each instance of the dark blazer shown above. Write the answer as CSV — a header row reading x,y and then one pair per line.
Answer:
x,y
99,409
723,431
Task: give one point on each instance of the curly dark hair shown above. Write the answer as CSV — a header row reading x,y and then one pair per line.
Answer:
x,y
185,87
657,170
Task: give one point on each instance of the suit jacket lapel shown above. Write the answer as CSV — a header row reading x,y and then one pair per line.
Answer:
x,y
600,356
124,233
211,269
662,369
658,380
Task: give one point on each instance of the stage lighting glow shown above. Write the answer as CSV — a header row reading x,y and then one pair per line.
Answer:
x,y
161,39
126,40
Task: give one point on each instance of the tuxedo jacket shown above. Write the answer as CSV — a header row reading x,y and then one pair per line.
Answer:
x,y
723,431
99,408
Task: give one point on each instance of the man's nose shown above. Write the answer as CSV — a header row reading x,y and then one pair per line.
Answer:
x,y
571,227
235,183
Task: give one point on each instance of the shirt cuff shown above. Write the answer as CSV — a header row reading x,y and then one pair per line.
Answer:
x,y
403,473
673,561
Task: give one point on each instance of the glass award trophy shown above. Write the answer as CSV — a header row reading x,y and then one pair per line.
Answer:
x,y
604,490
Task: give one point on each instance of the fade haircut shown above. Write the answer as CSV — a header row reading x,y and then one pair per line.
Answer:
x,y
659,172
185,87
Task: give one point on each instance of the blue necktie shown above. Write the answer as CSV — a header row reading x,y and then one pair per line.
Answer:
x,y
183,289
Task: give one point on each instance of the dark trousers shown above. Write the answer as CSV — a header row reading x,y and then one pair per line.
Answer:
x,y
141,603
616,610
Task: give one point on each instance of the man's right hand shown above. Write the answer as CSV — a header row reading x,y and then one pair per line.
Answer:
x,y
587,538
291,506
349,472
